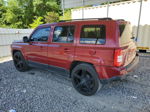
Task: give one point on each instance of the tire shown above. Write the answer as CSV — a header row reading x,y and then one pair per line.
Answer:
x,y
85,79
19,62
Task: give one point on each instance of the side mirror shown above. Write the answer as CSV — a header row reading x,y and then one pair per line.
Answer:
x,y
25,39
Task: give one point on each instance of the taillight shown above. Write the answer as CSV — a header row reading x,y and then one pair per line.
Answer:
x,y
118,58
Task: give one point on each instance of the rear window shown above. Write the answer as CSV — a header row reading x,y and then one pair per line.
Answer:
x,y
121,28
125,33
93,34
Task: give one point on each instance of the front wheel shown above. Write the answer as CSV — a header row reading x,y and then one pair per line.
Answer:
x,y
20,62
85,79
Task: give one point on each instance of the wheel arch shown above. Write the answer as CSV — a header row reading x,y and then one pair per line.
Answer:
x,y
15,50
18,50
75,63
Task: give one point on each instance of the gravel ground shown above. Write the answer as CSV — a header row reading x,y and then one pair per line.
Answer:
x,y
45,91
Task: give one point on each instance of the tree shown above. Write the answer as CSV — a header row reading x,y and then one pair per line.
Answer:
x,y
2,12
67,15
36,22
51,17
41,7
21,13
13,15
28,12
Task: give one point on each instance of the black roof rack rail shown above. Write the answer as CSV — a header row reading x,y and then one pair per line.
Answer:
x,y
86,19
120,20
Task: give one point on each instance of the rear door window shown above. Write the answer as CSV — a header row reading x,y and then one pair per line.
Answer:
x,y
93,34
64,34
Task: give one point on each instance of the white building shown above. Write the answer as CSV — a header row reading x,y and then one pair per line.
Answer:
x,y
122,10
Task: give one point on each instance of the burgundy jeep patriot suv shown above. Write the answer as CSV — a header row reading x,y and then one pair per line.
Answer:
x,y
90,50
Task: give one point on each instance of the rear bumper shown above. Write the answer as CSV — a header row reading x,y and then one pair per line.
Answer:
x,y
107,72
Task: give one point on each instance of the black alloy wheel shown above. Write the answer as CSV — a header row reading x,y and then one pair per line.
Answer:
x,y
85,79
20,62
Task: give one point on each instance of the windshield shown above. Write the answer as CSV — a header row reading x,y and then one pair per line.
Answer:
x,y
125,33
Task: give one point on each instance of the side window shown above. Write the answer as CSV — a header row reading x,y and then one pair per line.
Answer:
x,y
93,34
64,34
41,35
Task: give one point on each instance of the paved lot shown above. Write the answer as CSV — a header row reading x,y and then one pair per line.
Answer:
x,y
45,91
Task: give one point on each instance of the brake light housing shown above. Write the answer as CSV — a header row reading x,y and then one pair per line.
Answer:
x,y
118,57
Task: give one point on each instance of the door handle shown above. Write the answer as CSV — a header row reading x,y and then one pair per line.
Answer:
x,y
92,52
41,47
67,50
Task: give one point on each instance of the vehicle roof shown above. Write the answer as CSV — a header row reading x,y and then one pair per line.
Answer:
x,y
83,20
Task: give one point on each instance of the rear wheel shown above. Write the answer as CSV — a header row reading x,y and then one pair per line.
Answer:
x,y
20,62
85,79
